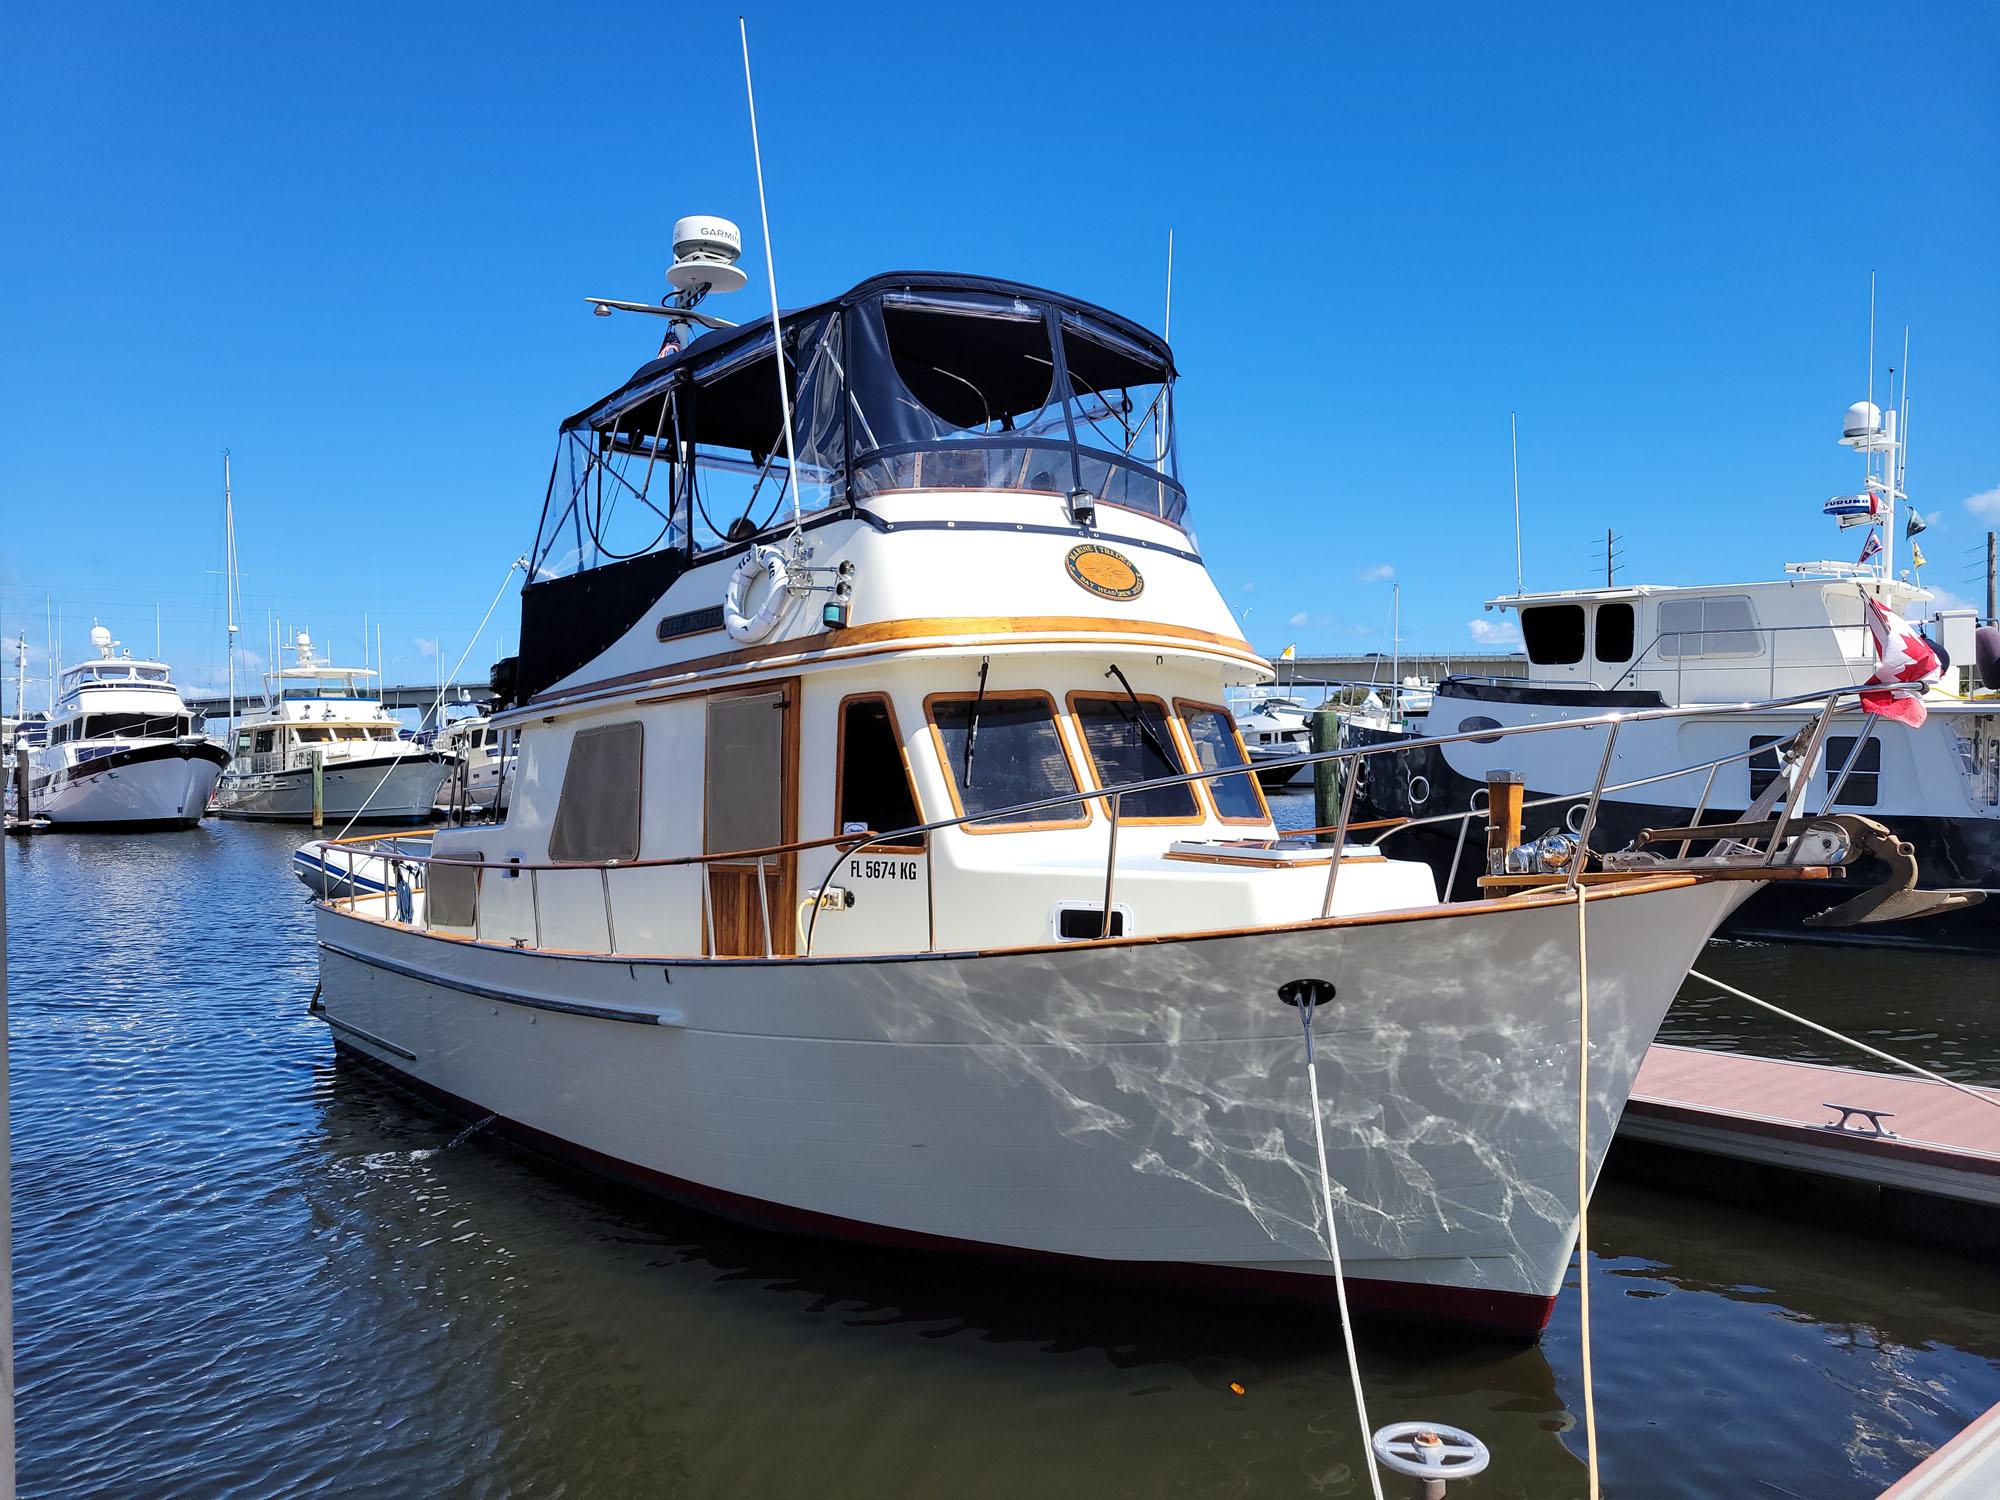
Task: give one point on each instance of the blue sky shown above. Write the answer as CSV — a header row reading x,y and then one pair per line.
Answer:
x,y
350,243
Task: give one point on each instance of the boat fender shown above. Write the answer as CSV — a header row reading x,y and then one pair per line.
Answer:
x,y
1986,647
767,562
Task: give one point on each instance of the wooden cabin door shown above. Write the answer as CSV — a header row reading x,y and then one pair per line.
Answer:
x,y
749,801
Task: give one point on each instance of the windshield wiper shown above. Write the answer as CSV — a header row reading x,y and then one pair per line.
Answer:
x,y
1138,717
972,724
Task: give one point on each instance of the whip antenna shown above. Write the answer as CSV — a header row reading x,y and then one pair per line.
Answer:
x,y
771,275
1514,432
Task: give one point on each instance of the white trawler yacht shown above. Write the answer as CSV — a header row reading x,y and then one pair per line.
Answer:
x,y
120,749
1715,647
317,712
878,861
475,757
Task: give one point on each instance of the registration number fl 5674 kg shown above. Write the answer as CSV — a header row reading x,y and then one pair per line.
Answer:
x,y
881,869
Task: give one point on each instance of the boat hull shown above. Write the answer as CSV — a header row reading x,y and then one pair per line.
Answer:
x,y
161,785
1138,1106
382,789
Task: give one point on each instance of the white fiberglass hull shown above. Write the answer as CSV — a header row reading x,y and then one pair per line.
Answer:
x,y
399,789
1141,1103
158,784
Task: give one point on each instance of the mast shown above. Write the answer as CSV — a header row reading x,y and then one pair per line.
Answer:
x,y
229,583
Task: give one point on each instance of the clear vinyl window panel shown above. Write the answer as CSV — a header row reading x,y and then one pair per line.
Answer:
x,y
597,813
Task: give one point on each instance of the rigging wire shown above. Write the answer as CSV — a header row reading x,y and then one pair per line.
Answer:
x,y
437,708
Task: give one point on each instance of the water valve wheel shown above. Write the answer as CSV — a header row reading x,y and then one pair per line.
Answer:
x,y
1430,1450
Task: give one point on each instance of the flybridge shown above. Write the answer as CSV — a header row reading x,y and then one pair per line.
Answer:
x,y
911,380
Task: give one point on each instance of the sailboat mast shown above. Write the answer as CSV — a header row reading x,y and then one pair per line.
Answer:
x,y
229,583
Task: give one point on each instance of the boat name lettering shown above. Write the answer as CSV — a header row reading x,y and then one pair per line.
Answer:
x,y
1103,572
694,622
882,869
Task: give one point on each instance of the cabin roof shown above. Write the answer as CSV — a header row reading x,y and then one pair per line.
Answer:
x,y
1813,580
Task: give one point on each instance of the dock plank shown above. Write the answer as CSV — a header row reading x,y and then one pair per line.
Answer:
x,y
1943,1143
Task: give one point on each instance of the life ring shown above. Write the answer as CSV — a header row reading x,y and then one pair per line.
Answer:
x,y
764,562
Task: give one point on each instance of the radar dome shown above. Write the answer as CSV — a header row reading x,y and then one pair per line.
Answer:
x,y
100,638
1863,420
706,249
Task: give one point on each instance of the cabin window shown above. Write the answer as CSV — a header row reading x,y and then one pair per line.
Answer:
x,y
266,738
874,791
597,815
1216,743
1763,765
1016,755
313,736
1553,634
133,726
1722,626
1614,632
243,743
1863,781
1135,742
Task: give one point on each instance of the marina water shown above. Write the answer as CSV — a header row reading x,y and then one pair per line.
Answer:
x,y
242,1269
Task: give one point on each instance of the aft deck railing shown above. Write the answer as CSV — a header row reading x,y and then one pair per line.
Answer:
x,y
397,890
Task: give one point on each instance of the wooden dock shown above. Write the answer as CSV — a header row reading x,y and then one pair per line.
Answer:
x,y
1899,1153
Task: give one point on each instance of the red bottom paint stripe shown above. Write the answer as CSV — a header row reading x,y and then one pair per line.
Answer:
x,y
1510,1315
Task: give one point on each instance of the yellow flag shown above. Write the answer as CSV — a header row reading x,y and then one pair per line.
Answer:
x,y
1292,651
1916,555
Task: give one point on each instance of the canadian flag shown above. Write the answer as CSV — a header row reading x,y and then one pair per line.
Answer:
x,y
1902,656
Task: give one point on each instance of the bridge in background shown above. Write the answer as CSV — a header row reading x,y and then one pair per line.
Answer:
x,y
1379,666
416,695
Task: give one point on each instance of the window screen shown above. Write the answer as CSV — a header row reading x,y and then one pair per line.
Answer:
x,y
448,892
1553,633
1708,627
744,792
1614,632
1862,782
597,816
874,782
1133,742
1213,734
1017,756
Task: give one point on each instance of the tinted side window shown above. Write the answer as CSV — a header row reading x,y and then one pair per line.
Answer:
x,y
1763,765
1614,632
1017,756
1553,633
1862,781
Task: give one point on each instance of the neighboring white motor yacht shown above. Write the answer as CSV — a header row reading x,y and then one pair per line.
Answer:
x,y
476,758
1276,734
318,714
881,861
120,750
1718,646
